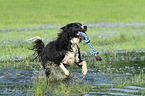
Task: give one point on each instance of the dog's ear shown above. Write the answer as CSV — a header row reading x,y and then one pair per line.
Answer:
x,y
64,28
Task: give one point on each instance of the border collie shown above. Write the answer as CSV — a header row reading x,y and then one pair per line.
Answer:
x,y
62,52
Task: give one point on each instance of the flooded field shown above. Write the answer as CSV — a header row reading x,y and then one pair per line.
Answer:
x,y
120,73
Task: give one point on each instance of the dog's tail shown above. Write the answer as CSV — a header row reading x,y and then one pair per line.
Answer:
x,y
37,46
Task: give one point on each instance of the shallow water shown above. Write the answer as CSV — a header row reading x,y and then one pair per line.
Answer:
x,y
108,77
15,79
119,76
120,73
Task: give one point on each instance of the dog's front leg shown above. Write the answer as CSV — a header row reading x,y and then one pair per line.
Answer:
x,y
84,67
64,70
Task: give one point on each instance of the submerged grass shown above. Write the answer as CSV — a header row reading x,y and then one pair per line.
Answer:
x,y
128,85
44,86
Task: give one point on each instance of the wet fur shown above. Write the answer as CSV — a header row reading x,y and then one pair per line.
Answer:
x,y
64,51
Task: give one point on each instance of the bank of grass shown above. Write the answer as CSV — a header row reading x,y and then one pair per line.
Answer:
x,y
28,13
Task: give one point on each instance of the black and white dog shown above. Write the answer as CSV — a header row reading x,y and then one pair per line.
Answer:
x,y
64,51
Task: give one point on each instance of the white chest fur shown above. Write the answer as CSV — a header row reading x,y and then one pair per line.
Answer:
x,y
72,56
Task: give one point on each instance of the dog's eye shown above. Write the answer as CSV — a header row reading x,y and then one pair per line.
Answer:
x,y
77,26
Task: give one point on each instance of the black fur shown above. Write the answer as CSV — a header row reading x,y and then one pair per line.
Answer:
x,y
55,51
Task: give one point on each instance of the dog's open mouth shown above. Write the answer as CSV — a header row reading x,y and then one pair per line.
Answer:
x,y
80,35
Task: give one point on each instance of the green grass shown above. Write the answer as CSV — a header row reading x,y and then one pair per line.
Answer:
x,y
28,13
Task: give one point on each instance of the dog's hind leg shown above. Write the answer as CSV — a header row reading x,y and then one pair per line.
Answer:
x,y
64,70
46,67
47,72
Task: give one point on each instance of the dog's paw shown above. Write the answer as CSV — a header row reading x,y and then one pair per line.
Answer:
x,y
84,73
66,76
84,67
64,70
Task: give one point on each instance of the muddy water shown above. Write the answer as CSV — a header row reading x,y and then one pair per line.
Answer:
x,y
120,72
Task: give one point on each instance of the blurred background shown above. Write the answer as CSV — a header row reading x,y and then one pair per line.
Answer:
x,y
28,13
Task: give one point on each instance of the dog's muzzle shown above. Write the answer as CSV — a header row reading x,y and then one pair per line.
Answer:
x,y
84,28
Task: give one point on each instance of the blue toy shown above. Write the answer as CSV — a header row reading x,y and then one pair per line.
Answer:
x,y
87,41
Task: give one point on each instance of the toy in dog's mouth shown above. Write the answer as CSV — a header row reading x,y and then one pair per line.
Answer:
x,y
80,35
87,41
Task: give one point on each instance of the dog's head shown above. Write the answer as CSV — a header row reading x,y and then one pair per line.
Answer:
x,y
73,29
